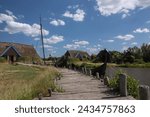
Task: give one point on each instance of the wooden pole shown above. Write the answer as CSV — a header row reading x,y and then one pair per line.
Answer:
x,y
42,40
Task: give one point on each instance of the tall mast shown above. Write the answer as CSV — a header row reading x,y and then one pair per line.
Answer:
x,y
42,41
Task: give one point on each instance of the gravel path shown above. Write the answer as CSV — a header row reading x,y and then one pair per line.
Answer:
x,y
78,86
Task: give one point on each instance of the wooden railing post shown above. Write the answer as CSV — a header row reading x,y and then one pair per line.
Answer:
x,y
123,84
97,75
144,92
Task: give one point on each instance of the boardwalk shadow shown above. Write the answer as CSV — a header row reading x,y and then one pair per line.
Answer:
x,y
110,94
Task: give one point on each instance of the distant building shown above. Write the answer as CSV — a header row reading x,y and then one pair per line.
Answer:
x,y
77,54
72,54
16,51
103,56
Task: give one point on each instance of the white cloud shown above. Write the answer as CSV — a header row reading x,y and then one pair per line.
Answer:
x,y
134,43
125,37
81,43
124,43
79,15
93,50
148,22
48,46
36,39
29,30
125,48
125,15
139,30
6,18
73,7
110,7
77,44
12,26
71,46
53,39
20,16
98,45
110,41
57,22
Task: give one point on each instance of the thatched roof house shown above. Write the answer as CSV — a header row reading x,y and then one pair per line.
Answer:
x,y
77,54
15,51
103,56
72,54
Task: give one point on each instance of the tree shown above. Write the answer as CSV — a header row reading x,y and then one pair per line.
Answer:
x,y
136,52
116,57
146,52
128,57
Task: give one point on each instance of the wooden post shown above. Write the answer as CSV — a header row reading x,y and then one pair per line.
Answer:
x,y
50,92
102,77
40,96
97,75
123,84
90,72
85,70
82,70
144,92
106,80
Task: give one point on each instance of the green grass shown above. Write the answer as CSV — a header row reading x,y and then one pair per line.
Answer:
x,y
89,64
26,82
2,60
132,84
134,65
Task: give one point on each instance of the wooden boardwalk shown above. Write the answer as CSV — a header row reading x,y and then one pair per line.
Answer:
x,y
78,86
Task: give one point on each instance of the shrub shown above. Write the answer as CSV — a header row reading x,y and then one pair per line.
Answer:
x,y
73,60
88,65
2,60
132,84
29,60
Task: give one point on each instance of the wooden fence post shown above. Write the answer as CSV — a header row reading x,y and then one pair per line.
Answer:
x,y
85,70
90,72
123,84
50,92
82,70
106,80
40,95
144,92
97,75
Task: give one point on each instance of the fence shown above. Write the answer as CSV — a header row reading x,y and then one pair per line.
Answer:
x,y
144,90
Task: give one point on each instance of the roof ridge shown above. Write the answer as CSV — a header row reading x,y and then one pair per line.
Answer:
x,y
11,43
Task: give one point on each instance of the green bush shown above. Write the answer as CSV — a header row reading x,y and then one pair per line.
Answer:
x,y
29,59
132,84
73,60
88,65
2,60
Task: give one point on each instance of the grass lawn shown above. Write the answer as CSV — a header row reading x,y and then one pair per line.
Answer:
x,y
128,65
25,82
134,65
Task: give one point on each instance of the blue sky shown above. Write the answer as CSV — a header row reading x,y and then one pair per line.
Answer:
x,y
89,25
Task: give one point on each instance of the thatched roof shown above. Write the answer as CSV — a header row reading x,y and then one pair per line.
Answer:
x,y
24,50
76,53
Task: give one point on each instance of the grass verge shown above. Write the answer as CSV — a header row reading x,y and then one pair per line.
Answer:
x,y
144,65
26,82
